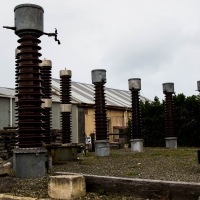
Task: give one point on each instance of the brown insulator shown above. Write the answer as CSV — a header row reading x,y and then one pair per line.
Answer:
x,y
100,112
136,122
17,51
99,79
47,105
65,89
169,116
29,93
136,125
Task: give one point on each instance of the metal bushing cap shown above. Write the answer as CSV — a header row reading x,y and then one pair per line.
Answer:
x,y
65,73
46,63
134,84
28,18
98,76
168,88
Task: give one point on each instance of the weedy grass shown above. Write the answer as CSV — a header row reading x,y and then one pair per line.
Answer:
x,y
155,154
134,167
101,191
131,173
179,152
138,155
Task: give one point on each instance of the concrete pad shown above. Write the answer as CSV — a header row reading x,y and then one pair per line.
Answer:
x,y
67,186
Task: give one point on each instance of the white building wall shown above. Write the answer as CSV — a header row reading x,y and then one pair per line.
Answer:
x,y
55,115
7,112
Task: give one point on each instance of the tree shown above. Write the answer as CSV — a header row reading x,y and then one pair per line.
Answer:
x,y
153,123
187,120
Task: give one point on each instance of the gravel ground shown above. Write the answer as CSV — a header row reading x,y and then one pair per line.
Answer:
x,y
154,163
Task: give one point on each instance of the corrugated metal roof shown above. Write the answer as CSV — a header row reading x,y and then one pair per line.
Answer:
x,y
7,91
84,93
10,92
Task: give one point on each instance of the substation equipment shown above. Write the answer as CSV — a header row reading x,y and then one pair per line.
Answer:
x,y
66,106
170,139
29,154
66,150
136,122
102,147
198,151
47,99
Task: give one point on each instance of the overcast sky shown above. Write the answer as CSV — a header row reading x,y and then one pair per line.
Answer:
x,y
155,40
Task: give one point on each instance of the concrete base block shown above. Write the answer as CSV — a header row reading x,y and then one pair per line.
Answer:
x,y
62,153
142,188
171,142
136,145
5,168
102,148
67,186
29,162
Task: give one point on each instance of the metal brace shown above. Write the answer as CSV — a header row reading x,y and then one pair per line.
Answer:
x,y
53,34
49,34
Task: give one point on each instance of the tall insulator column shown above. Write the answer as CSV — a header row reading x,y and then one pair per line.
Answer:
x,y
29,27
102,143
136,122
29,78
65,106
47,99
29,93
171,139
198,151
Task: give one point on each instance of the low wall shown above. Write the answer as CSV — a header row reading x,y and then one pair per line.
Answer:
x,y
142,188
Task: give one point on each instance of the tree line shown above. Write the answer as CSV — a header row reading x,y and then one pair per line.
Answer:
x,y
187,120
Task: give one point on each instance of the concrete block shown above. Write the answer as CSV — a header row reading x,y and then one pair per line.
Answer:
x,y
67,187
141,188
5,168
